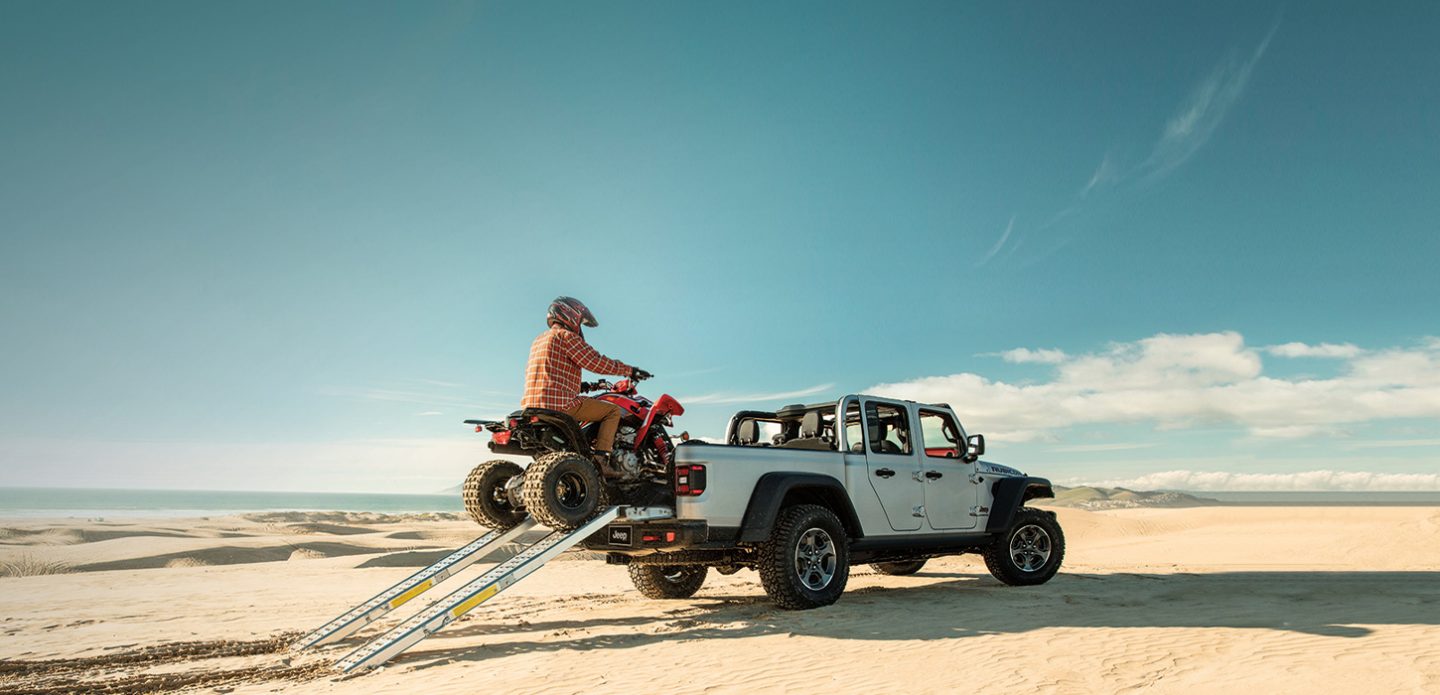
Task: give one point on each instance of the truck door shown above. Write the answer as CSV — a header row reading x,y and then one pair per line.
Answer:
x,y
949,490
894,464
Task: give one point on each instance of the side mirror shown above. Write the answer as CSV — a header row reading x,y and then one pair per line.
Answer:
x,y
974,447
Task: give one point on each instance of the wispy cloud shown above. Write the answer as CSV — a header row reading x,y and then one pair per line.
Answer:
x,y
1029,356
1105,174
1202,112
720,398
999,243
1304,481
1114,446
430,413
1342,350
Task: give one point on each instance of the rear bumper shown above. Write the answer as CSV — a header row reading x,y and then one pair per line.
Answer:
x,y
643,538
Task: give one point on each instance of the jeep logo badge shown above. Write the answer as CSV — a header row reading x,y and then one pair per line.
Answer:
x,y
620,535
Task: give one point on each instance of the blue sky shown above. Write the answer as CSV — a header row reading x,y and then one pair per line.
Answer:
x,y
289,246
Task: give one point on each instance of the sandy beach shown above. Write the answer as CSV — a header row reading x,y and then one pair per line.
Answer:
x,y
1210,599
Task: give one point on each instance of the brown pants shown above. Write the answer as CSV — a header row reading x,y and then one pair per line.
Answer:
x,y
607,414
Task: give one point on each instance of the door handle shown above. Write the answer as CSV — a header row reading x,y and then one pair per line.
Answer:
x,y
885,473
933,475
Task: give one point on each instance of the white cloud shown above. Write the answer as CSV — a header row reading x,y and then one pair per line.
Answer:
x,y
1342,350
1181,381
1026,355
754,397
1294,432
429,413
1203,111
1317,481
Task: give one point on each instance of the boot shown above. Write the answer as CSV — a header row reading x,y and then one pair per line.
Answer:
x,y
602,461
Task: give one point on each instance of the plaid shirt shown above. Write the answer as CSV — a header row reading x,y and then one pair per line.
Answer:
x,y
552,378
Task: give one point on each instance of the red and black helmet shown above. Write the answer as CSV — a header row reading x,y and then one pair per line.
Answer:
x,y
571,313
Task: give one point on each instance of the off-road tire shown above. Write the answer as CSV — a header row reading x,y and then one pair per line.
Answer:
x,y
546,499
777,558
1002,563
485,498
903,568
674,581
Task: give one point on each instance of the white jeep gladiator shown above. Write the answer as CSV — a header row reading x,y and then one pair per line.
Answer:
x,y
800,493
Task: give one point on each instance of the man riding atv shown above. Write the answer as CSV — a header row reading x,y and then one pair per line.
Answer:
x,y
588,452
552,377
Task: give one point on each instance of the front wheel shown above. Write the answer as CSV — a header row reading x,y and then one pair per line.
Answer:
x,y
1030,552
805,562
563,490
485,498
661,581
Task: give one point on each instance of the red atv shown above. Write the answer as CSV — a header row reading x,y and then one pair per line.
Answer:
x,y
565,486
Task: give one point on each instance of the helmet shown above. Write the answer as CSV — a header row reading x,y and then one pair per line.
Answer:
x,y
571,313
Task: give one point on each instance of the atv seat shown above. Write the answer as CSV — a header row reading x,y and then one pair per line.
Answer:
x,y
544,413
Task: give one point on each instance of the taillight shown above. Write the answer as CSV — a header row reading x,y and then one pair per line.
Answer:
x,y
690,479
502,437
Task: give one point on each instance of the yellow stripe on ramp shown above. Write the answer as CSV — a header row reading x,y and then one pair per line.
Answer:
x,y
474,601
414,591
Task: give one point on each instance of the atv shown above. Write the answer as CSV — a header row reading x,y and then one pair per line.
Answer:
x,y
566,484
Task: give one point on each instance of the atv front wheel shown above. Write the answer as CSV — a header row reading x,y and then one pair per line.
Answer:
x,y
1030,552
673,581
563,490
485,498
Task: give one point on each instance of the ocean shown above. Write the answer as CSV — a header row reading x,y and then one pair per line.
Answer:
x,y
92,503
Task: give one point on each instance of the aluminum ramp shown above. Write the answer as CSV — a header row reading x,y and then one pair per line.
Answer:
x,y
412,586
463,600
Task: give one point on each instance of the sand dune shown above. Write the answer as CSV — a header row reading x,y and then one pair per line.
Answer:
x,y
1168,600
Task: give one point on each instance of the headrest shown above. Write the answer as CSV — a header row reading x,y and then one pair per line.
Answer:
x,y
877,432
749,432
810,424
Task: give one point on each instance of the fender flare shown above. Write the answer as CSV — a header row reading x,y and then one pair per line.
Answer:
x,y
1010,495
772,489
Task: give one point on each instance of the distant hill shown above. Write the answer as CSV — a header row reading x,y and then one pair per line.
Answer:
x,y
1121,498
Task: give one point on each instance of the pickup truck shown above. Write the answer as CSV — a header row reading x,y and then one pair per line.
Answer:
x,y
801,493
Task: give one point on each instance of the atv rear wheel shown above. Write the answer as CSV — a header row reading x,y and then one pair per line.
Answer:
x,y
668,581
898,569
485,498
563,490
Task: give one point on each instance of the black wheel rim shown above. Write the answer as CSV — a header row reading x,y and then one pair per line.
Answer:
x,y
571,492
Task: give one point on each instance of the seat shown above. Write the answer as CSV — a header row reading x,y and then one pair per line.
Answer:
x,y
810,429
749,433
877,436
545,413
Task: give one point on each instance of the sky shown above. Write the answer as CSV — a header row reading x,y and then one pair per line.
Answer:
x,y
290,246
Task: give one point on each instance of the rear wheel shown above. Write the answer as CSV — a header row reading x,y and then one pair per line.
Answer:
x,y
805,562
563,490
898,569
485,498
672,581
